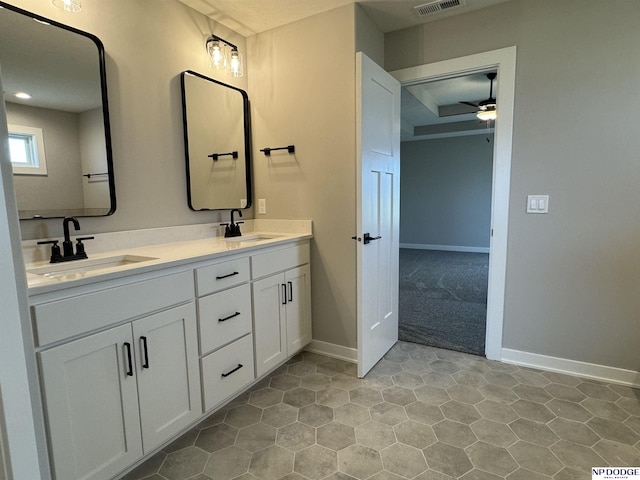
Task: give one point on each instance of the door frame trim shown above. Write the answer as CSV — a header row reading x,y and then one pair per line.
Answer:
x,y
504,60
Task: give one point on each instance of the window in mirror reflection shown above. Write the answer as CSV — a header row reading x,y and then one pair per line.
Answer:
x,y
26,148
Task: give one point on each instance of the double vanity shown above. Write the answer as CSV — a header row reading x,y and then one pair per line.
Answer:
x,y
137,345
155,329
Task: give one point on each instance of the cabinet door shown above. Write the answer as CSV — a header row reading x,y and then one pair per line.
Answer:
x,y
92,405
298,283
269,322
168,374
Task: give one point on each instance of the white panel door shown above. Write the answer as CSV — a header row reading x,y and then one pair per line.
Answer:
x,y
168,373
92,405
378,210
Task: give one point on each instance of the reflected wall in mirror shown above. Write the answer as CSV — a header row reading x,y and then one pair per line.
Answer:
x,y
63,71
217,143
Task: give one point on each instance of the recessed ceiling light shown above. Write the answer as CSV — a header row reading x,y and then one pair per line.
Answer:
x,y
71,6
23,95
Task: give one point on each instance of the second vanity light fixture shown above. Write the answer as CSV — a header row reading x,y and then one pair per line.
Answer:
x,y
224,55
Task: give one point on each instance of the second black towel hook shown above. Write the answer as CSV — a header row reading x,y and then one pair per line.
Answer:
x,y
267,151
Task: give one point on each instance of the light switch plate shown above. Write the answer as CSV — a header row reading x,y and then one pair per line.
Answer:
x,y
262,206
537,203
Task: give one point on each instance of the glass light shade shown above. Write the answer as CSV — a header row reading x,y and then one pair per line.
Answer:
x,y
487,114
215,52
224,56
71,6
235,63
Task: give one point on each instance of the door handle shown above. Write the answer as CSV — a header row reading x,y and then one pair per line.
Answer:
x,y
284,293
145,350
127,345
290,291
229,317
225,375
227,276
368,238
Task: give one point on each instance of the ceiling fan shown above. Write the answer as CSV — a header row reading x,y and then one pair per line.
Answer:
x,y
486,108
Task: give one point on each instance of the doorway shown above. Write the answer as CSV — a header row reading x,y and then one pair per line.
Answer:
x,y
445,214
503,61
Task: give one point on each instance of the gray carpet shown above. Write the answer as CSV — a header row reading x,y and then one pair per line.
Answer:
x,y
443,299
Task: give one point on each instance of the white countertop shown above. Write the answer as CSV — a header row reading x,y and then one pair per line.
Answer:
x,y
149,258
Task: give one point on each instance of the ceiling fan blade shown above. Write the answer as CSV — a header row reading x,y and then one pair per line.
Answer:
x,y
470,104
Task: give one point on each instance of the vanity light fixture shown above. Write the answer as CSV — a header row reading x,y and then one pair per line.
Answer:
x,y
224,55
71,6
22,95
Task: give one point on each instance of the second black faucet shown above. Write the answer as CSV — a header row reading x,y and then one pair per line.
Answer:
x,y
67,246
233,229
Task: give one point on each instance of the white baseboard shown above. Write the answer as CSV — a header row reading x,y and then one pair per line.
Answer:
x,y
446,248
572,367
332,350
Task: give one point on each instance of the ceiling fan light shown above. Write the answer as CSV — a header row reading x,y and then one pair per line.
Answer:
x,y
490,114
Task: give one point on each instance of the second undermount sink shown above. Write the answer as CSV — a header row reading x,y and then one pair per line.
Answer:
x,y
62,269
251,238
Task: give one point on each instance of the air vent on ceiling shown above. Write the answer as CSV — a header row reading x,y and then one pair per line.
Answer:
x,y
437,6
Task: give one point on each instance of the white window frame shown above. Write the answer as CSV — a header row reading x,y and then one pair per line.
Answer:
x,y
38,166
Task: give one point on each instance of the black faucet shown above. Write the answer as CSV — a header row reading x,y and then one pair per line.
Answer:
x,y
233,229
67,246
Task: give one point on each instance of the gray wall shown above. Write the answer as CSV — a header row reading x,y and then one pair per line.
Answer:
x,y
62,186
306,97
93,157
572,275
445,191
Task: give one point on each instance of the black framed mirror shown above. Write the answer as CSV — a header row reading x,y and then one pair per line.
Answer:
x,y
63,128
217,143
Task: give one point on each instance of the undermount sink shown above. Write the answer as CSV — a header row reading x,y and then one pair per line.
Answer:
x,y
54,270
251,238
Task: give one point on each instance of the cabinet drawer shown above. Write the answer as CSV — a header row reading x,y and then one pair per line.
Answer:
x,y
219,276
264,264
226,371
224,317
66,318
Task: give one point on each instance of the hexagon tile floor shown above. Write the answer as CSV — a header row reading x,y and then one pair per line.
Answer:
x,y
422,413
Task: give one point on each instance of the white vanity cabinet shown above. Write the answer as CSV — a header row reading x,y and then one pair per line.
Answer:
x,y
112,396
281,305
129,362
